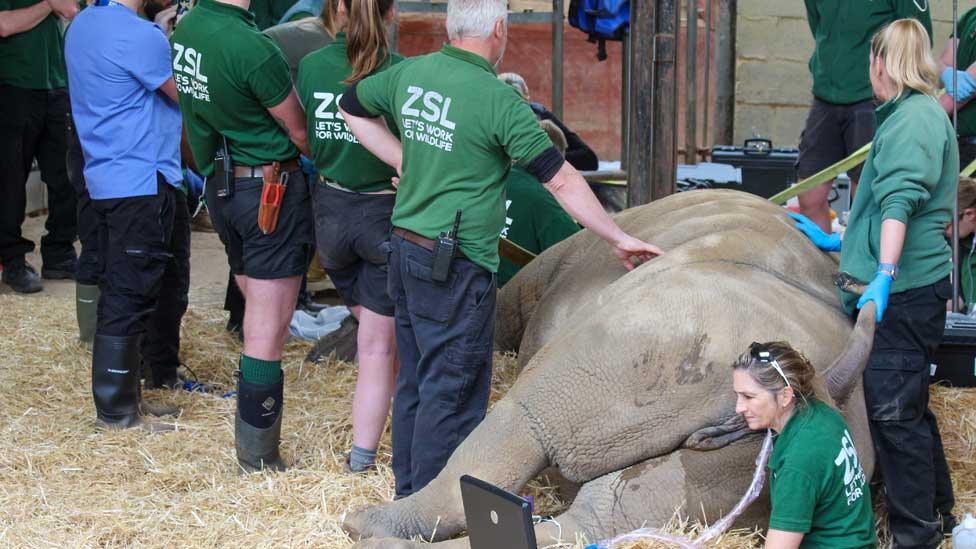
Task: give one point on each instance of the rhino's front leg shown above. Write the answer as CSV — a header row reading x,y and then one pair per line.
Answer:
x,y
702,485
502,451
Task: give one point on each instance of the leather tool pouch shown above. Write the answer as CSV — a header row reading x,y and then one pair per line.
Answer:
x,y
272,195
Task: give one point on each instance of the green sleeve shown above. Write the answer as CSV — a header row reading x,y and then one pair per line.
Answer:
x,y
908,162
794,499
916,10
270,81
375,93
813,17
517,129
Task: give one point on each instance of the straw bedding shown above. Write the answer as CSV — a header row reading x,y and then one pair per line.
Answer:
x,y
63,484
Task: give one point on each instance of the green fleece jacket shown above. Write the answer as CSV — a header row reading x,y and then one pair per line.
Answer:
x,y
911,175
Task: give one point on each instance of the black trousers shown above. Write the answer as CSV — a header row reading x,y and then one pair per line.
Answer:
x,y
88,265
904,431
144,249
32,125
445,336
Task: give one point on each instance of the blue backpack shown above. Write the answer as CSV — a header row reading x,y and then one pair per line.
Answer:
x,y
601,20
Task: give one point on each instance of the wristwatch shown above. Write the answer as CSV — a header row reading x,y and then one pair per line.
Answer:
x,y
889,269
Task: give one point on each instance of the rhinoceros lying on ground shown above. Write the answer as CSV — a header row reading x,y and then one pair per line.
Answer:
x,y
626,385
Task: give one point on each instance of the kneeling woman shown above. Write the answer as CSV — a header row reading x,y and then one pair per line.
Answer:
x,y
818,493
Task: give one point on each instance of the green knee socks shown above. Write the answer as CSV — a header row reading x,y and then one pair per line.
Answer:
x,y
264,372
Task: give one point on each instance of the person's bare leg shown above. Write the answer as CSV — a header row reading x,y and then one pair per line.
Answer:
x,y
270,306
376,380
813,204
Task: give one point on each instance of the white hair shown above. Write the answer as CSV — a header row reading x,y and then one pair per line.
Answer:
x,y
474,18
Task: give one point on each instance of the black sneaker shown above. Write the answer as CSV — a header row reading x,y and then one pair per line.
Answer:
x,y
21,277
62,270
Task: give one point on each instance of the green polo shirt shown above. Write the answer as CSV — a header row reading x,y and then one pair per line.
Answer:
x,y
338,155
461,129
534,220
228,74
911,175
817,485
842,32
33,59
966,56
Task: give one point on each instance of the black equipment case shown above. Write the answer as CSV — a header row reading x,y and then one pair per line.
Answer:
x,y
955,361
765,170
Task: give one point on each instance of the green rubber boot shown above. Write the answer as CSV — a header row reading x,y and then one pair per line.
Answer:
x,y
86,305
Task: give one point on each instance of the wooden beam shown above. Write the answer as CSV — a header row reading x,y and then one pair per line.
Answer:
x,y
653,101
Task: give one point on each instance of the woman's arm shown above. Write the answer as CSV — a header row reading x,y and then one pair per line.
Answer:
x,y
779,539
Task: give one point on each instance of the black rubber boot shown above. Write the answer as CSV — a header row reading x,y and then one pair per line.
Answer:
x,y
257,426
116,384
86,307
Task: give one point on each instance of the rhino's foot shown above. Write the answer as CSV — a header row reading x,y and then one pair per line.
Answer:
x,y
395,519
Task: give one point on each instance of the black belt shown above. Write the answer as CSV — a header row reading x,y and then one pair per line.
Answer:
x,y
422,241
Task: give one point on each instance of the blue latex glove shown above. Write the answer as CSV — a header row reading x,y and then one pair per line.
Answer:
x,y
826,242
966,84
308,166
877,291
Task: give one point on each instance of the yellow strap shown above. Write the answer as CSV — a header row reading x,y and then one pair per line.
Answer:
x,y
827,174
968,170
513,252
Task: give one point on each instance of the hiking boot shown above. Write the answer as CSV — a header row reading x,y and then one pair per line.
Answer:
x,y
21,277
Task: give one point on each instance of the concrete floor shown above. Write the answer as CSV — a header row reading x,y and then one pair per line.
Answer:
x,y
208,267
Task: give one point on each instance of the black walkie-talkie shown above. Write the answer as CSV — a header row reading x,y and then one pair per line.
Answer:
x,y
444,250
224,170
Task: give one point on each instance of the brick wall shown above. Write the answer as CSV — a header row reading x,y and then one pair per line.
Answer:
x,y
773,44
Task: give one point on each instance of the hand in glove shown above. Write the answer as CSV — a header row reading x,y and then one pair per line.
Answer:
x,y
826,242
877,291
966,84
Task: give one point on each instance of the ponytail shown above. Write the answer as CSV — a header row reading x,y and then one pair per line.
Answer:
x,y
367,45
328,16
903,47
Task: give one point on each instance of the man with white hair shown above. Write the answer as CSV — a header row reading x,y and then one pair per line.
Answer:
x,y
462,129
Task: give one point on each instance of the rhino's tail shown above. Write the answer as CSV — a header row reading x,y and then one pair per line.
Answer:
x,y
843,375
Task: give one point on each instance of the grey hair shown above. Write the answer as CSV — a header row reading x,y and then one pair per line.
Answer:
x,y
474,18
516,81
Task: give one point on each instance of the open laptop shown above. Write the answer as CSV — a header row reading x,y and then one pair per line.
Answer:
x,y
496,519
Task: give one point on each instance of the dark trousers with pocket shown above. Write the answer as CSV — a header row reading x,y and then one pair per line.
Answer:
x,y
88,265
445,335
144,248
906,436
32,125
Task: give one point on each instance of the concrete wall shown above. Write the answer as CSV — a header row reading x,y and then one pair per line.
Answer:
x,y
773,45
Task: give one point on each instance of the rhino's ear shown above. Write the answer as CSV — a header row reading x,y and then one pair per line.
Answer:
x,y
842,376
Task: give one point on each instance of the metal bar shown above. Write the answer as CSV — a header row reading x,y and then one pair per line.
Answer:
x,y
653,140
955,124
706,69
557,58
725,72
625,101
691,82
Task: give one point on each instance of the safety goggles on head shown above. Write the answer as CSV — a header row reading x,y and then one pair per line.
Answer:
x,y
762,353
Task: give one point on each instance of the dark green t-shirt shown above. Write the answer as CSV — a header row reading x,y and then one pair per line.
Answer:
x,y
267,13
461,129
966,56
534,220
817,484
33,59
338,155
910,175
228,74
842,32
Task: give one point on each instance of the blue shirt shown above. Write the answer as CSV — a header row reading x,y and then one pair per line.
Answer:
x,y
128,130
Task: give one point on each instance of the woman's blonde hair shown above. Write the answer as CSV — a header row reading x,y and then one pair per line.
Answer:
x,y
905,49
794,370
